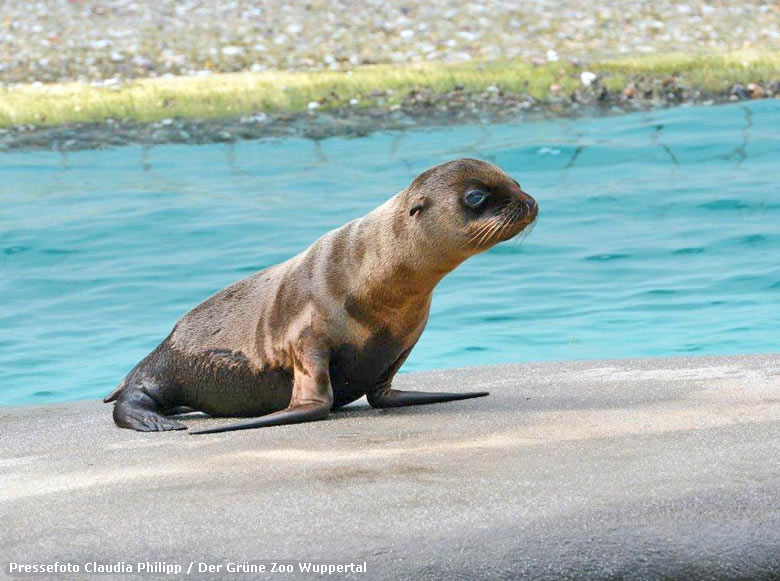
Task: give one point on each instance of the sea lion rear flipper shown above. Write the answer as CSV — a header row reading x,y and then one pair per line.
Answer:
x,y
137,409
291,415
392,398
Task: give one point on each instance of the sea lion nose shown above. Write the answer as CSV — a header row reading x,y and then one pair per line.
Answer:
x,y
528,203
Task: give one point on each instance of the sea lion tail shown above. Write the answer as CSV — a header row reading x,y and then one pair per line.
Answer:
x,y
115,394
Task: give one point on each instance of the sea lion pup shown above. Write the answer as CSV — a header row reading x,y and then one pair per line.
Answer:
x,y
333,323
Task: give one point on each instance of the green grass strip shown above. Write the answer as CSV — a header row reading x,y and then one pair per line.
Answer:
x,y
236,94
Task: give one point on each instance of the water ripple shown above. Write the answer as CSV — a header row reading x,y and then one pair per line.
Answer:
x,y
657,236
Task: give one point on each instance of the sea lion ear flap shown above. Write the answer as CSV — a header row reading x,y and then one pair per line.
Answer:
x,y
419,204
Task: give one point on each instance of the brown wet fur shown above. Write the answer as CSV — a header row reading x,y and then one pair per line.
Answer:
x,y
333,323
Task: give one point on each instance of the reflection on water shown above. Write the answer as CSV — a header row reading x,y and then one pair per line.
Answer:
x,y
659,234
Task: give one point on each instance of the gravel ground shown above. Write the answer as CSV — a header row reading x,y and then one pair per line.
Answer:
x,y
58,40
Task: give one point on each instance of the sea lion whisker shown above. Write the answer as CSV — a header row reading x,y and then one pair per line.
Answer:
x,y
509,219
516,239
507,224
505,228
490,232
481,231
477,232
498,230
496,222
527,231
501,227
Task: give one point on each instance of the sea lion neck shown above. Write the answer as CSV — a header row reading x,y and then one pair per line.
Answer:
x,y
390,281
401,257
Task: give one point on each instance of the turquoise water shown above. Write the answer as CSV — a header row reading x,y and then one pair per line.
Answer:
x,y
659,234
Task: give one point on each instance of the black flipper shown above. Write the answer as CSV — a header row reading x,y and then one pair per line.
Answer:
x,y
395,398
137,410
292,415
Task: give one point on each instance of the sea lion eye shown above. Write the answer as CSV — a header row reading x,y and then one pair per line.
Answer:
x,y
475,198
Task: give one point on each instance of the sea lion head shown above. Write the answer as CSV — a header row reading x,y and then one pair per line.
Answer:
x,y
465,206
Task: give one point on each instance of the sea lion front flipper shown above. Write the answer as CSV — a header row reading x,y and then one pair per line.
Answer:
x,y
291,415
387,397
312,398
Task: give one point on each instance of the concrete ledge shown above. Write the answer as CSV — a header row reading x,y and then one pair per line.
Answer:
x,y
648,469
